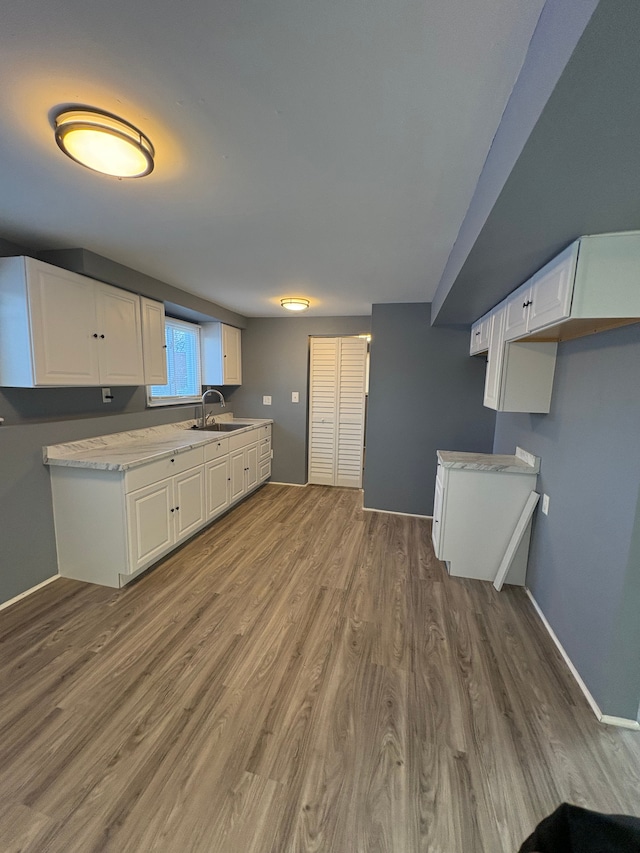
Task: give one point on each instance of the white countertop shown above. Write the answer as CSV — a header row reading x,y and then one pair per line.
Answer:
x,y
489,462
121,451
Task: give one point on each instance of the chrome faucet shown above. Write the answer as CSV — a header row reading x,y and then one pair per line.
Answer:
x,y
203,417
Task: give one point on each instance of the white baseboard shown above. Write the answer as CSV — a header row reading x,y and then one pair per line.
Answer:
x,y
27,592
391,512
621,722
297,485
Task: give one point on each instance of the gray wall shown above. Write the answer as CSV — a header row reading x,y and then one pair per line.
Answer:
x,y
425,395
577,174
584,567
559,28
275,355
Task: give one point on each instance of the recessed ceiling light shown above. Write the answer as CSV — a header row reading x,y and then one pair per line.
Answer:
x,y
104,143
294,303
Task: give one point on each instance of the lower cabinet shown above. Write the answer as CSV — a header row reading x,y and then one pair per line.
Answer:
x,y
474,515
111,525
163,514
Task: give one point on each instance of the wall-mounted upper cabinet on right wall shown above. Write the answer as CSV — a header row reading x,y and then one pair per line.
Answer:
x,y
592,286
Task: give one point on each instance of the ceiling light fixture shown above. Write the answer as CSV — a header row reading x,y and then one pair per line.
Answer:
x,y
294,303
104,143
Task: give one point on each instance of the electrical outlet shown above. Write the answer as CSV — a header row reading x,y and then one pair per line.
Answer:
x,y
545,504
107,396
295,396
266,400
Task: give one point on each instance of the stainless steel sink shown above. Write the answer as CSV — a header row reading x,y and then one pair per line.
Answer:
x,y
223,426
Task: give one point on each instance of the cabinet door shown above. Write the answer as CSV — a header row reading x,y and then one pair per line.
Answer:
x,y
120,336
494,361
154,348
436,530
237,473
231,355
149,523
251,463
480,335
188,496
551,294
63,326
217,486
516,323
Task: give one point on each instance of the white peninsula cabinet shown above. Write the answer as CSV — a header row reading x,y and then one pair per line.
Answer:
x,y
478,500
120,507
58,328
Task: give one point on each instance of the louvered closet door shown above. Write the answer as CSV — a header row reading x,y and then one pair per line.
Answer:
x,y
350,405
336,416
323,384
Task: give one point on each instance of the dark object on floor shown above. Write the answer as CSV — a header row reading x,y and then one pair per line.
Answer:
x,y
571,829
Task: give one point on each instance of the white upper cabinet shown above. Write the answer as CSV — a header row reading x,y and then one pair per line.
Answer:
x,y
58,328
480,335
119,335
221,354
154,348
592,286
545,299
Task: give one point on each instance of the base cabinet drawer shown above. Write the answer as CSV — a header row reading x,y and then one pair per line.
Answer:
x,y
264,471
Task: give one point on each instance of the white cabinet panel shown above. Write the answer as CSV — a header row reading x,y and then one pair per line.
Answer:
x,y
154,348
64,326
149,523
217,486
494,361
551,291
251,459
119,336
189,505
237,474
516,313
231,355
221,354
480,335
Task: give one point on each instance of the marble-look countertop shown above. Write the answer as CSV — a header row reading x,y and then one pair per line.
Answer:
x,y
490,462
121,451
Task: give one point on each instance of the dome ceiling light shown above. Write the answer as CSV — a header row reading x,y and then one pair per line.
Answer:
x,y
104,143
294,303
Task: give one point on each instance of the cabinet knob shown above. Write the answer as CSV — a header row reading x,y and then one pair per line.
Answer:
x,y
177,508
173,460
172,509
95,335
102,336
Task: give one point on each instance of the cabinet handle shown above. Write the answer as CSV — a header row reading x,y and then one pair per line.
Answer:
x,y
477,333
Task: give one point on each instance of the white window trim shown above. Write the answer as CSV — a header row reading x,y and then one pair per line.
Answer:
x,y
153,402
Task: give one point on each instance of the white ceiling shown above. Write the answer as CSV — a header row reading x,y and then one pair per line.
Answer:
x,y
321,148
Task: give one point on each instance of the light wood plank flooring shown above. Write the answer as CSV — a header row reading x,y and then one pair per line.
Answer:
x,y
302,676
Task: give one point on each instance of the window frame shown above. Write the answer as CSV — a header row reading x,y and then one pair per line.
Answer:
x,y
179,400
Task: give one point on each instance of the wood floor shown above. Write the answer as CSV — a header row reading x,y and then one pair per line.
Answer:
x,y
302,676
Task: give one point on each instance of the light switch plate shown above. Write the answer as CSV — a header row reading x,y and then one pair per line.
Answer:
x,y
266,400
545,504
295,396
